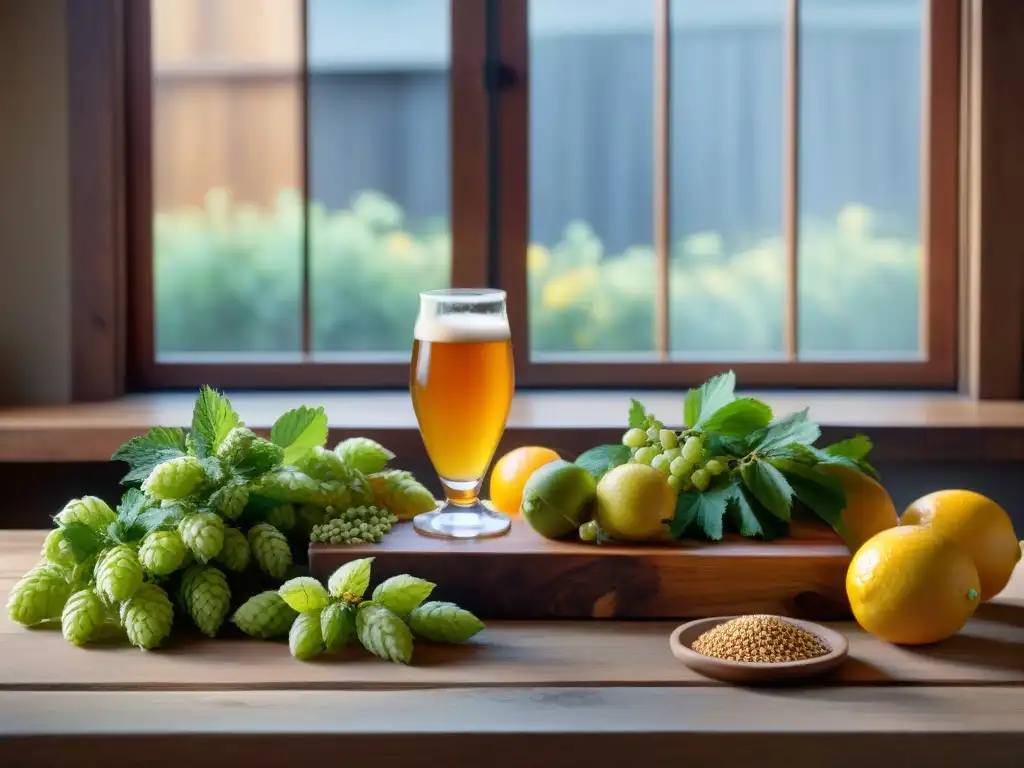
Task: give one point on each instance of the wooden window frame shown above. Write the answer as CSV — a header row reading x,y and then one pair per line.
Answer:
x,y
489,218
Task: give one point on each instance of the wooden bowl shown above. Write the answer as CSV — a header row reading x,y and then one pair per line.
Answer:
x,y
750,673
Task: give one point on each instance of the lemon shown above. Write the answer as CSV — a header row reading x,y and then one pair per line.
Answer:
x,y
869,508
911,586
978,525
634,501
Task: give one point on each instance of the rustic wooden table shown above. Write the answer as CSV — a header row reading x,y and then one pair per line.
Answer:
x,y
581,693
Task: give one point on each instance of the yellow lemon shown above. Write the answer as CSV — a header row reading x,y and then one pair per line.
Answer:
x,y
978,525
909,585
633,503
869,508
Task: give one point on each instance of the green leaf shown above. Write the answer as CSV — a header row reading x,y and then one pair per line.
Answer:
x,y
751,518
84,541
212,419
823,494
738,418
337,624
401,594
769,487
700,403
701,511
143,453
383,634
352,578
600,460
299,431
304,594
637,415
127,528
794,428
856,448
811,456
719,445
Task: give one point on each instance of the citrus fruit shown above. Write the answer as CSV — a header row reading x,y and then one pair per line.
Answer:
x,y
911,586
558,498
633,503
978,525
510,473
869,508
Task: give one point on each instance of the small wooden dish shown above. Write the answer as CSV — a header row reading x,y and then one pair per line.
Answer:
x,y
750,673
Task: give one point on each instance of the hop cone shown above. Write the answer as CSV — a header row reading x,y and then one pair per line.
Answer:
x,y
203,533
289,485
162,552
38,596
282,517
400,493
261,456
84,617
147,616
229,500
309,515
118,574
364,454
270,549
265,615
235,553
206,597
88,510
322,464
236,445
306,637
57,550
174,479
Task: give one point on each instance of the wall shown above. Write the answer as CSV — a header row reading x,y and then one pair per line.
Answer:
x,y
34,268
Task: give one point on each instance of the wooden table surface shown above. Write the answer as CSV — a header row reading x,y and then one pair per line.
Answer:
x,y
555,693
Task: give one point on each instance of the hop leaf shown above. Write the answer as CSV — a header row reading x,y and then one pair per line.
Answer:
x,y
304,594
363,454
282,517
147,616
38,596
84,617
298,431
270,550
400,493
212,421
236,445
89,511
162,552
401,594
383,634
353,578
203,533
174,479
305,638
444,623
57,550
265,615
337,624
206,597
229,500
143,453
235,554
118,573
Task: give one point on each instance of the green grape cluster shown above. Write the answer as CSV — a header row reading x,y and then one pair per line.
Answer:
x,y
681,456
356,525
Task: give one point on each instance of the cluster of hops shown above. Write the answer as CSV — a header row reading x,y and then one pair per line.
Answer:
x,y
318,619
679,455
203,503
354,526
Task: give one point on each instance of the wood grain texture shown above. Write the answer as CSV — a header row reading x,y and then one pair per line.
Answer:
x,y
525,576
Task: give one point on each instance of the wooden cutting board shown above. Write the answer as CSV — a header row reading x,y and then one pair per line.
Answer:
x,y
525,576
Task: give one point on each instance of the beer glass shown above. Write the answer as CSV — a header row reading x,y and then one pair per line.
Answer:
x,y
462,382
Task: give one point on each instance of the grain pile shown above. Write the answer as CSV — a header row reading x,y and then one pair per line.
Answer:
x,y
760,639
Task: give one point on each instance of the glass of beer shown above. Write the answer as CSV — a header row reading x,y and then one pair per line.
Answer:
x,y
462,382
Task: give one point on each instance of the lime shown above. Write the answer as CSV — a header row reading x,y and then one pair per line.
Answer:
x,y
558,498
633,503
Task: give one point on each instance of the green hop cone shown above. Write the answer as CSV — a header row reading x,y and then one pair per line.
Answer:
x,y
206,597
305,638
229,500
236,445
235,554
261,457
353,578
322,464
147,616
84,618
401,594
88,510
337,624
203,534
400,493
444,623
304,594
162,552
308,516
383,634
265,615
174,479
289,485
270,550
118,573
282,517
57,550
363,454
38,596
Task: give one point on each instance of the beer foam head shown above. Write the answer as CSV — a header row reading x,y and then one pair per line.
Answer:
x,y
456,327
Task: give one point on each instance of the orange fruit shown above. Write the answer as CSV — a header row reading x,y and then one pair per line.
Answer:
x,y
909,585
977,525
869,508
511,473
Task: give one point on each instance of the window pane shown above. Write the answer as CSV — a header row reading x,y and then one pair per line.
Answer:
x,y
590,264
728,270
227,173
860,128
378,163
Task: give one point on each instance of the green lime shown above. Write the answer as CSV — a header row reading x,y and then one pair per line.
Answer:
x,y
558,498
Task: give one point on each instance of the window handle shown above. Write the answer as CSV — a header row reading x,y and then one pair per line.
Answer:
x,y
499,76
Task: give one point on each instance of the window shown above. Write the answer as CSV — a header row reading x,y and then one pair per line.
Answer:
x,y
665,189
